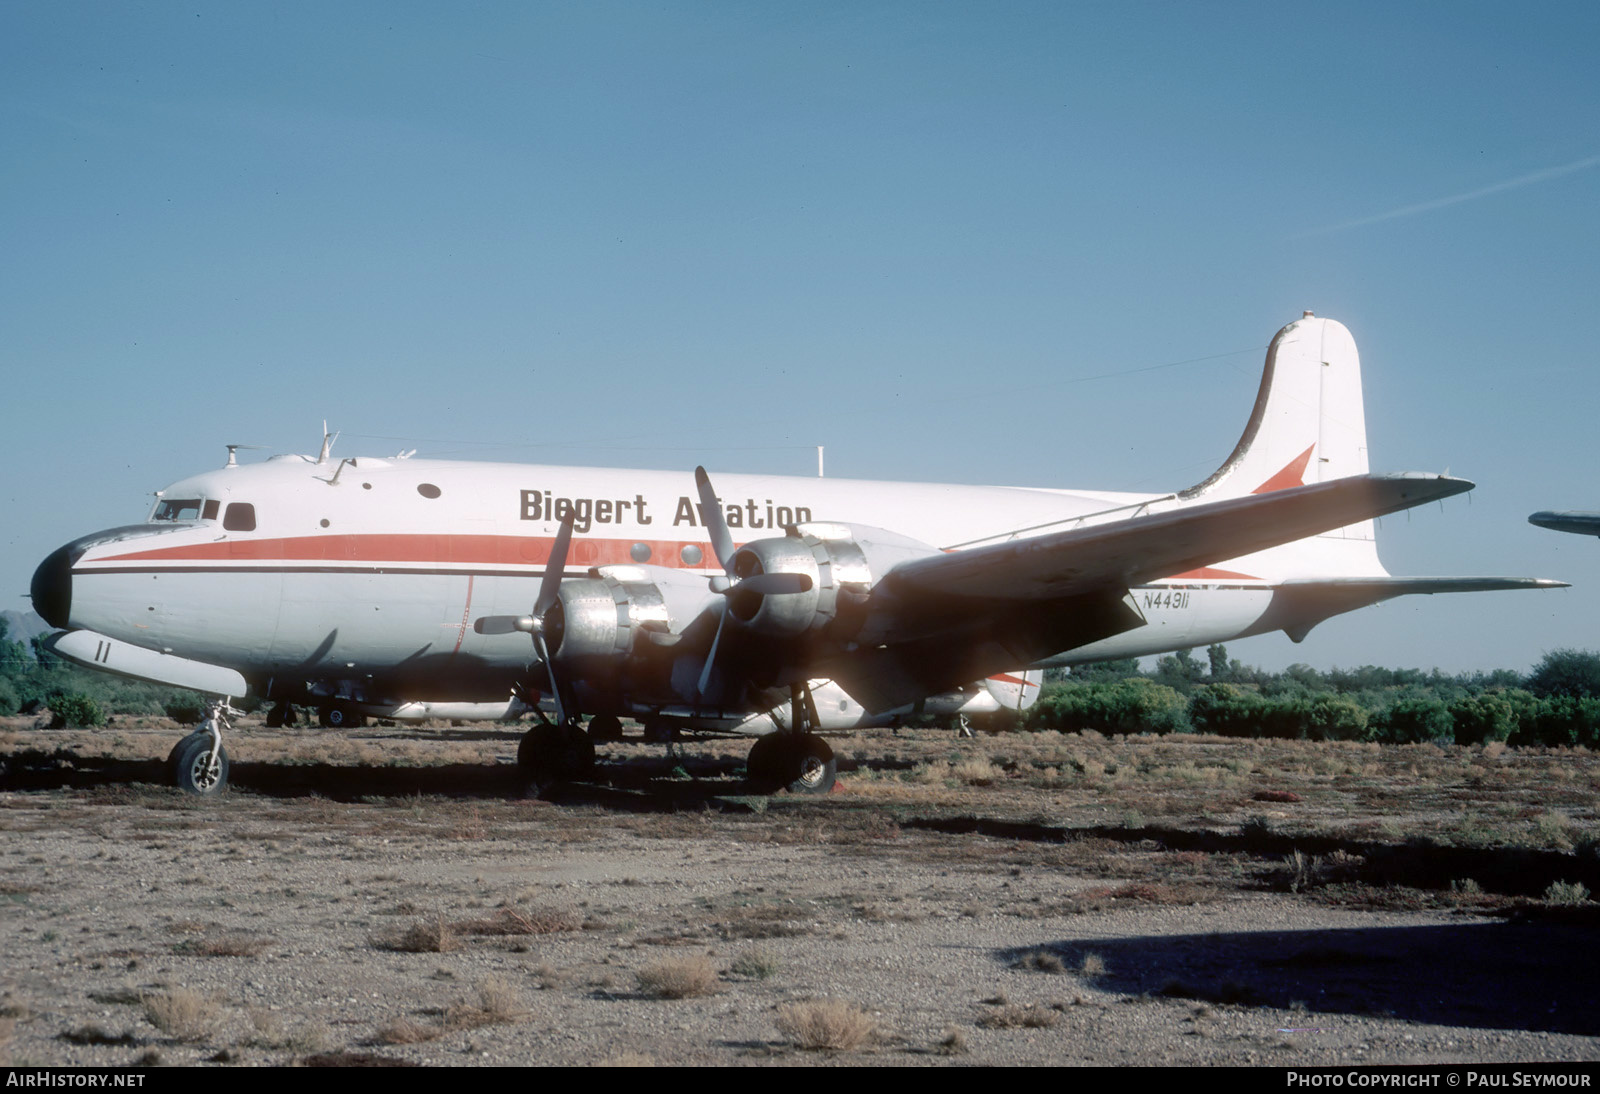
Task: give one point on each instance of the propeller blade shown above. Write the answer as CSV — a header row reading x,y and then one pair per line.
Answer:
x,y
502,624
711,657
716,524
555,690
554,566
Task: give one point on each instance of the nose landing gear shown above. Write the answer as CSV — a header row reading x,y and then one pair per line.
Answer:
x,y
198,764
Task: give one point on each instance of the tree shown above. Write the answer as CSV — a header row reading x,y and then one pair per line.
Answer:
x,y
1569,672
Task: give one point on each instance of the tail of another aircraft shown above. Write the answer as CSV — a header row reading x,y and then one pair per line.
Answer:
x,y
1308,425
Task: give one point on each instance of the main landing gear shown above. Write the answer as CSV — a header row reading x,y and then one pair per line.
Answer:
x,y
198,764
796,759
554,753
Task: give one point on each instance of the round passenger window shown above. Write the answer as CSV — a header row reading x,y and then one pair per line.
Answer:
x,y
691,555
639,552
428,490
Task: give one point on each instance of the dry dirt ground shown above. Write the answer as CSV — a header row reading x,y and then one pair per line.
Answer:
x,y
392,895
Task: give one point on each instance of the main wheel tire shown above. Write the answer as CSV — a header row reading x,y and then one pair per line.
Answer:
x,y
763,770
195,771
334,716
552,755
605,727
810,765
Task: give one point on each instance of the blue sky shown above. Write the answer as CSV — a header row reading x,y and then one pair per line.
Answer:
x,y
659,235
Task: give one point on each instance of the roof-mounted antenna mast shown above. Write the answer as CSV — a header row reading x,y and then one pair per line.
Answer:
x,y
233,453
327,442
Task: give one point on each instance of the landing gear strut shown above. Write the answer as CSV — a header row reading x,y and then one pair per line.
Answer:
x,y
198,764
796,760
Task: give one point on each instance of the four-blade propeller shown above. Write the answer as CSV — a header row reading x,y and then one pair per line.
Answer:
x,y
758,584
726,584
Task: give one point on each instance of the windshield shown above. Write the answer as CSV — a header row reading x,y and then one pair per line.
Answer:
x,y
177,509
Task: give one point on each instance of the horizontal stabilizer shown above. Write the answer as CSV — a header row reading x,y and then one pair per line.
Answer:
x,y
1584,524
1130,552
112,655
1300,604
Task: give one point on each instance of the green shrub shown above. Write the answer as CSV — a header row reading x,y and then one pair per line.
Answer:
x,y
1480,719
185,707
1414,719
76,710
1127,706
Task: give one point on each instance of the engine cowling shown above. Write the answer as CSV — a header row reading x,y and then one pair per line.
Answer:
x,y
602,618
843,562
612,613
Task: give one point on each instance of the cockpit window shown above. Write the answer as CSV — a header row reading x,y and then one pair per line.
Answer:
x,y
240,517
210,513
177,509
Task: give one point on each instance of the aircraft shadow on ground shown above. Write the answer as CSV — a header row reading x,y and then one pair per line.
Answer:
x,y
1481,975
653,784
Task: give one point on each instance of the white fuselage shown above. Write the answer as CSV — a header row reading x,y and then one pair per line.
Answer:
x,y
365,575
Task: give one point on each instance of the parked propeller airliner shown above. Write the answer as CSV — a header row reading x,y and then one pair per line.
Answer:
x,y
762,605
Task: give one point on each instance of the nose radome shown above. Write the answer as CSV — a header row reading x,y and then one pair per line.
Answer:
x,y
52,587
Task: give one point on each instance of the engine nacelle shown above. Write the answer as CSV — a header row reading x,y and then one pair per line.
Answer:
x,y
607,616
843,562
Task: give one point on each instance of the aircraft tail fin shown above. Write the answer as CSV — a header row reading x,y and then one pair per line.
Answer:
x,y
1308,425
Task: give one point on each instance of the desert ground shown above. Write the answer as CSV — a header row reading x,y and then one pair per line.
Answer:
x,y
392,895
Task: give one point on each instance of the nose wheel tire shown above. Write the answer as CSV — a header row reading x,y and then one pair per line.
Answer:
x,y
195,770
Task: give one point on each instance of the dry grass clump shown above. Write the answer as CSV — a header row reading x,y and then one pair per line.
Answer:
x,y
497,1004
757,964
510,922
1041,960
180,1013
424,936
762,921
1015,1016
403,1031
830,1025
227,945
684,978
97,1035
1566,893
629,1059
978,771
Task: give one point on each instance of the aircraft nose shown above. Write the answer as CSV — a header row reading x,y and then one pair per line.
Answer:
x,y
52,587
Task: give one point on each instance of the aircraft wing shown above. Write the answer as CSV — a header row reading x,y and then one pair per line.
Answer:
x,y
1584,524
1130,552
944,619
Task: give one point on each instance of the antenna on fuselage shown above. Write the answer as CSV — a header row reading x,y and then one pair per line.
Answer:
x,y
327,442
233,453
